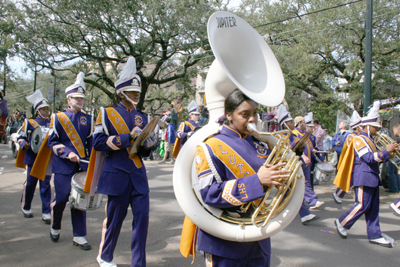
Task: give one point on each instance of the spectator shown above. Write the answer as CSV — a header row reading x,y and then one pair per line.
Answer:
x,y
174,116
318,133
327,140
340,137
169,141
179,110
203,115
327,143
392,171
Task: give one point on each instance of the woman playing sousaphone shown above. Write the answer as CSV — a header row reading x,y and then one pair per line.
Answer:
x,y
231,173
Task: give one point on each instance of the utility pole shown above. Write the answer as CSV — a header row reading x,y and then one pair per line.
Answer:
x,y
34,78
54,94
368,57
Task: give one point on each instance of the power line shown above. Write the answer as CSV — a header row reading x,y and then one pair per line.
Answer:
x,y
309,13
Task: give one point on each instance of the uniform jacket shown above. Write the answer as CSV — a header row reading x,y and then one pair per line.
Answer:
x,y
366,161
70,132
28,126
227,166
113,127
341,138
184,128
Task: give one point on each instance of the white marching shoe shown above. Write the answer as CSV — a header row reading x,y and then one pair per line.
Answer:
x,y
104,263
395,209
317,205
385,241
337,199
309,218
340,229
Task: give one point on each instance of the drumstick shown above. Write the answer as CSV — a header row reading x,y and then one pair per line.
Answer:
x,y
81,160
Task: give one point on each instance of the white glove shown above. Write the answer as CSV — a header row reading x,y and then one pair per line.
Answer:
x,y
190,134
135,132
150,141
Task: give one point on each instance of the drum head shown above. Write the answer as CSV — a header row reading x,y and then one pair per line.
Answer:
x,y
79,179
325,167
36,139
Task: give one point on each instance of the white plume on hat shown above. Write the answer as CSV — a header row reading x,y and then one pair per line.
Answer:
x,y
283,114
308,119
79,85
373,116
355,119
129,74
193,108
36,98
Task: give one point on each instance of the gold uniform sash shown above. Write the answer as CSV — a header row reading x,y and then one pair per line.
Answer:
x,y
19,162
70,130
120,126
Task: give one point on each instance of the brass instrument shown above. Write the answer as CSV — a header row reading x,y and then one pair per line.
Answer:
x,y
248,64
281,152
381,140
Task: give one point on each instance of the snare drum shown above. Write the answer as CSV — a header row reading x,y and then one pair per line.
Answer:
x,y
81,200
324,172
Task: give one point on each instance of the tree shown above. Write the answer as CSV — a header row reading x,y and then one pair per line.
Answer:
x,y
321,50
99,35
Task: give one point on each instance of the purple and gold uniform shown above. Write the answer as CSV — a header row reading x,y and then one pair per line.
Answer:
x,y
69,132
123,178
309,195
227,166
366,184
31,182
339,192
185,128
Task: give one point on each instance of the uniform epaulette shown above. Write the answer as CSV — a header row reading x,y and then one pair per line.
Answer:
x,y
211,136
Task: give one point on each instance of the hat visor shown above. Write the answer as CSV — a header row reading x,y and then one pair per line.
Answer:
x,y
375,124
76,95
42,106
195,113
130,89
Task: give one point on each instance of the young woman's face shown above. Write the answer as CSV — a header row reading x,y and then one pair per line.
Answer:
x,y
244,114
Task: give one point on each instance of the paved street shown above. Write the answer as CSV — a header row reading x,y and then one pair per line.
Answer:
x,y
26,242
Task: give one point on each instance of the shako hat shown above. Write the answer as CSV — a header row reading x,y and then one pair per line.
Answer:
x,y
128,79
78,89
37,100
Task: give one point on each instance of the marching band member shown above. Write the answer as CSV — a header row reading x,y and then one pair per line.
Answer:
x,y
315,157
186,128
42,112
225,185
307,157
123,176
70,139
286,121
355,125
366,181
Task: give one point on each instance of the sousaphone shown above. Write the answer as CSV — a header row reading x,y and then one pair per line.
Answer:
x,y
243,61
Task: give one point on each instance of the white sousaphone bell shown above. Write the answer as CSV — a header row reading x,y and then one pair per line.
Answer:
x,y
243,61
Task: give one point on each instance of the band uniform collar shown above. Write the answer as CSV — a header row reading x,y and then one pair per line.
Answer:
x,y
125,107
226,130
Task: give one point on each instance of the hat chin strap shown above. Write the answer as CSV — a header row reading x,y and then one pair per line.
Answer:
x,y
130,100
41,116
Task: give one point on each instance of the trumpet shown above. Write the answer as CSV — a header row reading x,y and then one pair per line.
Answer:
x,y
381,140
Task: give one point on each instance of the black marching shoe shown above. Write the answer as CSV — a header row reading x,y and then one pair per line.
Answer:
x,y
80,241
27,213
54,235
